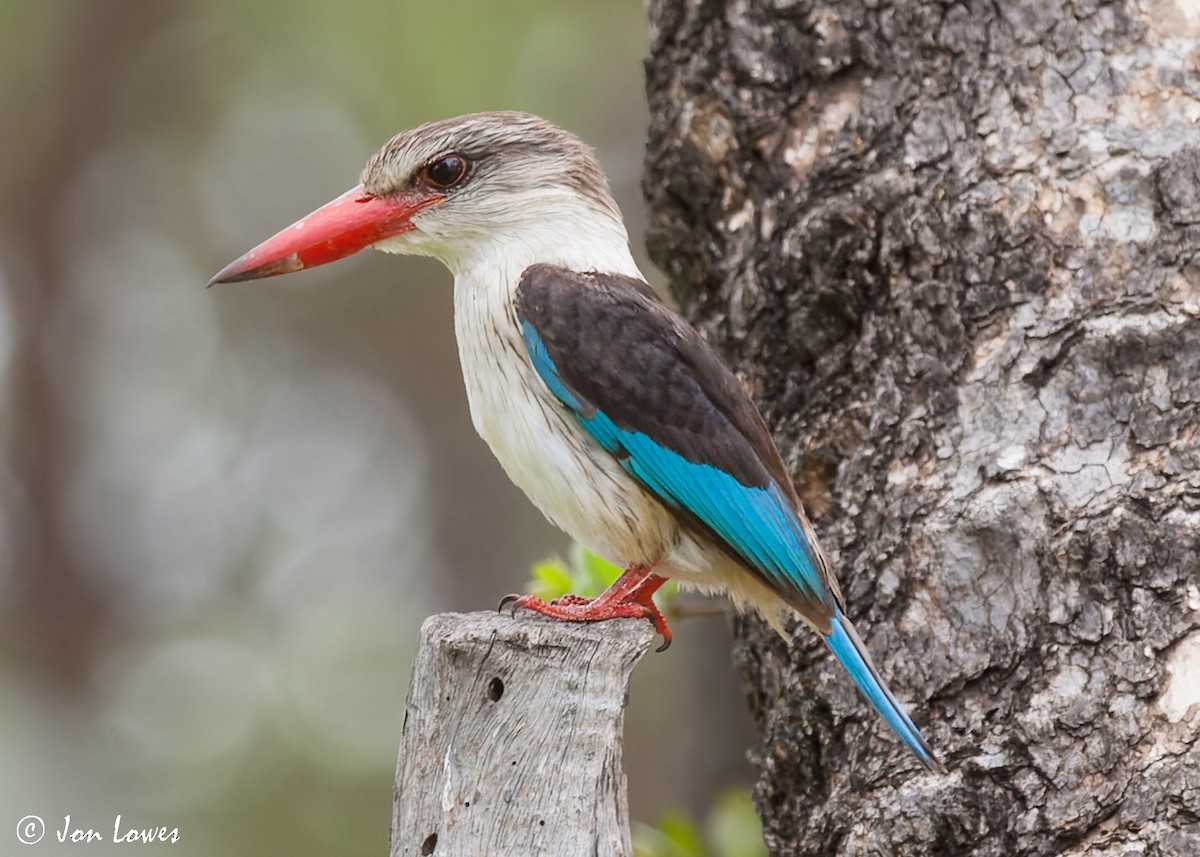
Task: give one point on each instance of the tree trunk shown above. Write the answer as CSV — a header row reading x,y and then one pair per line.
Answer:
x,y
952,249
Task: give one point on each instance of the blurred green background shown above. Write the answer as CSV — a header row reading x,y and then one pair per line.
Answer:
x,y
224,512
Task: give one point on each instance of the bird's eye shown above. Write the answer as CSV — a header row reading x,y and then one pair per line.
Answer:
x,y
446,171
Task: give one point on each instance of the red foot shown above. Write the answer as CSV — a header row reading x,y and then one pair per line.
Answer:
x,y
630,597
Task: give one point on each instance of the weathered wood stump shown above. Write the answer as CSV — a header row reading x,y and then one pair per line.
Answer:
x,y
512,737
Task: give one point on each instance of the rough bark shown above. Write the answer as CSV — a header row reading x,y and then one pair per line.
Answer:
x,y
512,738
952,249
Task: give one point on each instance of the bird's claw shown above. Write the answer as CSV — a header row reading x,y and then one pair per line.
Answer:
x,y
577,608
660,626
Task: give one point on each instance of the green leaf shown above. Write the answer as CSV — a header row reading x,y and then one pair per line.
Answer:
x,y
551,579
593,573
734,827
683,832
584,573
733,830
597,566
675,836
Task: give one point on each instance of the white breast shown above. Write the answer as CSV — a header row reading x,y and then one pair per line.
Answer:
x,y
570,478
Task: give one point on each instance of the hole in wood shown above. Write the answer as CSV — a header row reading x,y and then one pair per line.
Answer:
x,y
495,689
428,845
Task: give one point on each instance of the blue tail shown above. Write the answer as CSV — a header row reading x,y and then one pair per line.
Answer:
x,y
848,647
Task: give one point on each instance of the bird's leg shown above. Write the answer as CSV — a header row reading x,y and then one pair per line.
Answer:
x,y
631,596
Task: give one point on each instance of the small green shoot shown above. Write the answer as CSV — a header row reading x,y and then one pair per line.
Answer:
x,y
732,829
583,573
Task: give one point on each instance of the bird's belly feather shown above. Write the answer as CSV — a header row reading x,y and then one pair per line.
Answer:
x,y
575,483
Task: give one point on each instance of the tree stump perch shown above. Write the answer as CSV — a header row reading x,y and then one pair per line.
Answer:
x,y
512,737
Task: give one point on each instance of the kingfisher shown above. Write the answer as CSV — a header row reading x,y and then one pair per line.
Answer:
x,y
613,415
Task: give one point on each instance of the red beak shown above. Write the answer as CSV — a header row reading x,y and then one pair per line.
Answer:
x,y
353,221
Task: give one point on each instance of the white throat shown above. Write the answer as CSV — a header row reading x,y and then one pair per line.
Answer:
x,y
533,228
